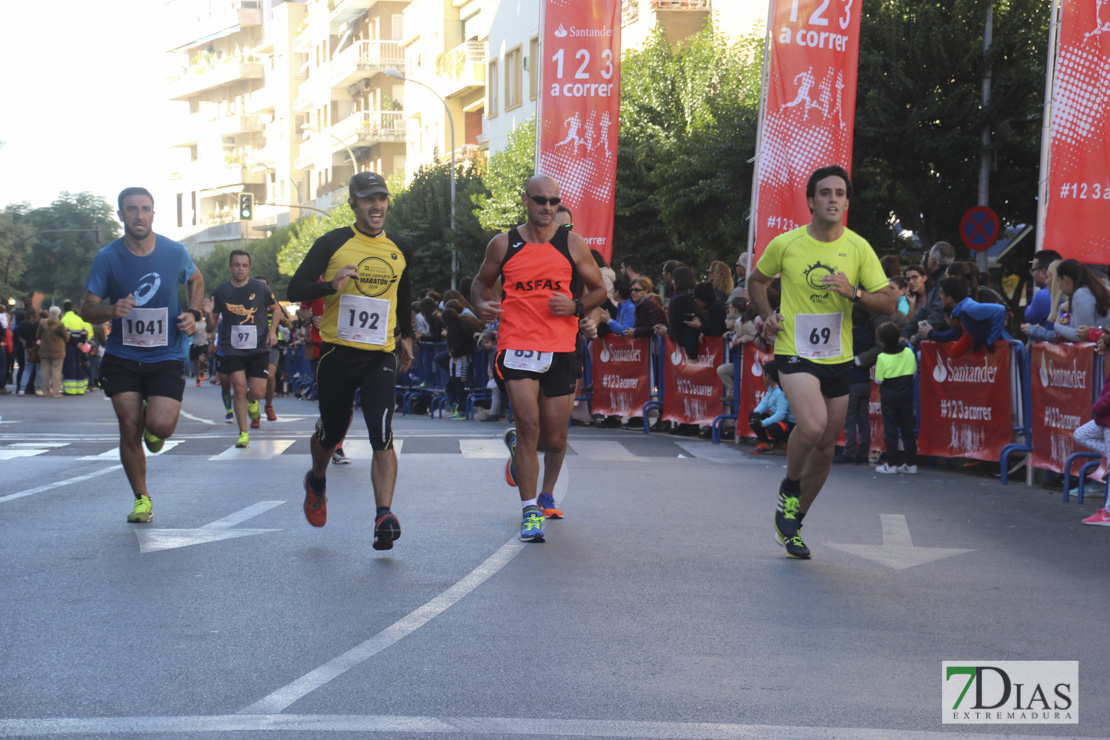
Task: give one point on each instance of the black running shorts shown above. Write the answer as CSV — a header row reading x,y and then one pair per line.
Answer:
x,y
559,380
836,380
120,375
340,372
255,366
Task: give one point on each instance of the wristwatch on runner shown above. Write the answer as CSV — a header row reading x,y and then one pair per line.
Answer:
x,y
857,294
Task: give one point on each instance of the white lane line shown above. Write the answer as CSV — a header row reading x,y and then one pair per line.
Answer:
x,y
59,484
260,449
284,697
189,416
7,454
360,449
601,450
484,726
241,516
483,448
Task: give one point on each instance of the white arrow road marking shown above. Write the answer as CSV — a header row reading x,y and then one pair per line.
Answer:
x,y
897,550
59,484
153,540
191,417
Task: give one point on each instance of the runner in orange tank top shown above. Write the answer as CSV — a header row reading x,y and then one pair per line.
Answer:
x,y
537,342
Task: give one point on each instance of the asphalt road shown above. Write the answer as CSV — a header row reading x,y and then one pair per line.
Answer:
x,y
660,607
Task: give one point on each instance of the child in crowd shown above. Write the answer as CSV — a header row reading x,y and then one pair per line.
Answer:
x,y
857,424
771,420
487,342
980,325
895,369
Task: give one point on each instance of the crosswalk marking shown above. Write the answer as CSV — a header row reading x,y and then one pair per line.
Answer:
x,y
113,454
712,453
10,454
260,449
360,449
483,448
601,450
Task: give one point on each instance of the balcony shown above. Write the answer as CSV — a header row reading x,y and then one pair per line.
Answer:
x,y
463,69
201,79
367,128
219,173
347,10
630,9
206,125
364,58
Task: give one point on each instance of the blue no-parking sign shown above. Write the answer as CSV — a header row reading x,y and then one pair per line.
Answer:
x,y
979,228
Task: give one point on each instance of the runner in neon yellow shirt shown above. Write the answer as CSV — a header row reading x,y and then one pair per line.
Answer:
x,y
825,268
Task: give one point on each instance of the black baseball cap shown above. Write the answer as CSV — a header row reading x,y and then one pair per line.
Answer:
x,y
367,183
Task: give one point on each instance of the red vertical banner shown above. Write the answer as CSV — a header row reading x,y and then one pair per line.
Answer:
x,y
691,387
809,106
621,375
1062,380
1078,197
752,388
579,110
965,402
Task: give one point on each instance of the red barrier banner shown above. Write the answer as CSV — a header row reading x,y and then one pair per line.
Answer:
x,y
621,375
965,402
752,388
579,108
1078,197
1062,385
809,107
691,388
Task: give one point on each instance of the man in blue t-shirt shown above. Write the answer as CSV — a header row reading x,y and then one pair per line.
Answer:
x,y
133,283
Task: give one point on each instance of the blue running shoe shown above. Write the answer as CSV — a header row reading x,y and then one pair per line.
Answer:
x,y
510,466
546,502
531,526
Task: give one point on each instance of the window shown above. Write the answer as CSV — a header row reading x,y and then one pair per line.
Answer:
x,y
533,67
514,68
493,85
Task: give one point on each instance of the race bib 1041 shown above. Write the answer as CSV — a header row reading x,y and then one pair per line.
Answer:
x,y
145,327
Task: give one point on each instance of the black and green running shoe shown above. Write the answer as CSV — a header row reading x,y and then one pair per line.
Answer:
x,y
786,516
795,548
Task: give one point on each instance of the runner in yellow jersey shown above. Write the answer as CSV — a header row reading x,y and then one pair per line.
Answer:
x,y
825,268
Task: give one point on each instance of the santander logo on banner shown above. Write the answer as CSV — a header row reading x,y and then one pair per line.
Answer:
x,y
579,108
809,114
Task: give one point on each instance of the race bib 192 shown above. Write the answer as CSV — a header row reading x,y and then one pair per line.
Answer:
x,y
145,327
362,319
528,360
817,335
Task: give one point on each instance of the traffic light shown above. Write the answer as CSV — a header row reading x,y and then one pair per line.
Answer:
x,y
246,206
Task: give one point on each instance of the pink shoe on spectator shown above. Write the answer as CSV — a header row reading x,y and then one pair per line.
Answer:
x,y
1100,518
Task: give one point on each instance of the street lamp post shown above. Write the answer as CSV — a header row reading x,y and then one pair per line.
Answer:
x,y
351,154
450,122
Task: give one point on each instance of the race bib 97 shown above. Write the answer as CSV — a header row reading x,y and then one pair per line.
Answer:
x,y
817,335
362,319
145,327
528,360
244,336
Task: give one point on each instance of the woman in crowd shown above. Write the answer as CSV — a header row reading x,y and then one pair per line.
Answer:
x,y
721,277
681,309
1088,299
52,338
917,287
649,312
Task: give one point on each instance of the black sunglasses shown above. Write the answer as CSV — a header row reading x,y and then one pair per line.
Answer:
x,y
542,201
568,227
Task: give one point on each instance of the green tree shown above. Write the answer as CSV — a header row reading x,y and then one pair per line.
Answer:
x,y
500,209
58,264
305,233
687,131
919,115
13,248
264,262
422,214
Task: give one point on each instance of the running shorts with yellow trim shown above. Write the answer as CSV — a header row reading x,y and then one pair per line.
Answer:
x,y
121,375
340,372
558,380
836,380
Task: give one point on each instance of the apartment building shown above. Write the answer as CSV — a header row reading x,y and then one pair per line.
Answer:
x,y
282,100
445,64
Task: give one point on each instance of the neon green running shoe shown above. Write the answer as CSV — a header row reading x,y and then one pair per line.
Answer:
x,y
244,440
253,411
531,525
143,511
154,444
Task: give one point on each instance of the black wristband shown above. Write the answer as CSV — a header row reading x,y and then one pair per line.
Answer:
x,y
197,315
579,309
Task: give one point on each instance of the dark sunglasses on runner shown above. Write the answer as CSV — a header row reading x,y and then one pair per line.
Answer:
x,y
568,227
542,201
